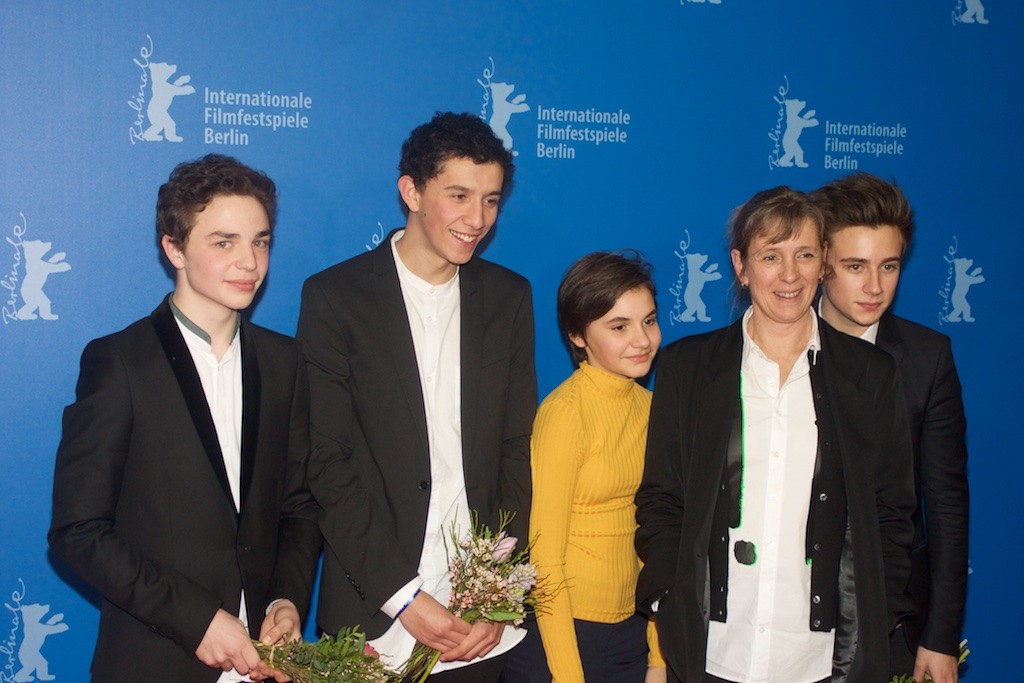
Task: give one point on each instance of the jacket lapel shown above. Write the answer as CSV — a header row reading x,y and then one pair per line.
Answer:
x,y
180,360
250,407
396,336
720,394
889,339
472,332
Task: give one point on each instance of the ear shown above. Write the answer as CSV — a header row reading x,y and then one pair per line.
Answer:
x,y
578,341
409,193
737,266
173,252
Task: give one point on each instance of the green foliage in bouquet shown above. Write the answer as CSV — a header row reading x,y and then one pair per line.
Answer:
x,y
345,658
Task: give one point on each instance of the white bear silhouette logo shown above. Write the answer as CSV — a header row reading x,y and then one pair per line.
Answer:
x,y
502,109
965,277
161,125
795,124
969,12
36,272
35,631
695,280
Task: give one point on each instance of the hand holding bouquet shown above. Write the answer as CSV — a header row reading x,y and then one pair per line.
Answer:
x,y
343,659
490,580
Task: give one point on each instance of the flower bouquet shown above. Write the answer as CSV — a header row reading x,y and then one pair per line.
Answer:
x,y
490,580
345,658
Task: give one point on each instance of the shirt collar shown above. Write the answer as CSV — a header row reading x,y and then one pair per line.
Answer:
x,y
195,329
407,277
749,346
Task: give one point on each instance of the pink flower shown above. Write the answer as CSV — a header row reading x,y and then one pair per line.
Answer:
x,y
504,547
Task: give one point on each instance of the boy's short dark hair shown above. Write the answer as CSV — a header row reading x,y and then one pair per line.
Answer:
x,y
193,184
452,136
591,287
864,199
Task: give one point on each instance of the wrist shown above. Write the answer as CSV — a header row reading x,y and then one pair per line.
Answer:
x,y
407,603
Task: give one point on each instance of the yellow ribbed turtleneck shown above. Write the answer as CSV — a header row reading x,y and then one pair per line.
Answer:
x,y
587,456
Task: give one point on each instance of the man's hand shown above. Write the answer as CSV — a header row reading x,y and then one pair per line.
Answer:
x,y
941,667
282,620
227,646
482,638
431,624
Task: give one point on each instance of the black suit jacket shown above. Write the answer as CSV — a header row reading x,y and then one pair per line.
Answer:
x,y
369,464
141,505
862,421
938,580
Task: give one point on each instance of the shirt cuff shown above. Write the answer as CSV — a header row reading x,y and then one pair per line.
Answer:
x,y
271,605
402,597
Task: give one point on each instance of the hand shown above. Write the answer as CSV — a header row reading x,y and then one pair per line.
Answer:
x,y
433,625
941,667
656,674
264,672
226,645
482,638
282,620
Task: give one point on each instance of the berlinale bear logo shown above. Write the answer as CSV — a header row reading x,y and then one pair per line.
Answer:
x,y
29,270
153,99
502,104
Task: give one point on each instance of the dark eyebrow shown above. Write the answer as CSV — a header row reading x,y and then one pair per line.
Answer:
x,y
623,319
466,190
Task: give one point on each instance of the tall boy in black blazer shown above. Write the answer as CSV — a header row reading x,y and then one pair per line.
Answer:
x,y
180,480
377,407
868,227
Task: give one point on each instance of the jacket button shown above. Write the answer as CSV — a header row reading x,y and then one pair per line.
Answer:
x,y
424,486
823,497
816,623
816,599
817,546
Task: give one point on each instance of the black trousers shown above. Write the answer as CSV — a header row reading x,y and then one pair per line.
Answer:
x,y
611,653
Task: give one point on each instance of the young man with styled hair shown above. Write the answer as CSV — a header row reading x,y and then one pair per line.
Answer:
x,y
423,394
869,226
179,490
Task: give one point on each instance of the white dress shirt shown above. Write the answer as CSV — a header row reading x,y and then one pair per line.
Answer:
x,y
766,637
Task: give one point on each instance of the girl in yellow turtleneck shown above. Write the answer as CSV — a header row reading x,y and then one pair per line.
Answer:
x,y
587,457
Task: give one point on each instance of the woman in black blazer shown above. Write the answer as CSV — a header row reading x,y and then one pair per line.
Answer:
x,y
775,507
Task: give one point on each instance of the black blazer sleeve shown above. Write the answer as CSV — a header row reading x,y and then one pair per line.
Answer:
x,y
91,463
943,462
515,486
299,539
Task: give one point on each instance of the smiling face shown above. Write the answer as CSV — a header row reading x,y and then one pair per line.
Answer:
x,y
863,272
224,261
783,277
624,340
448,217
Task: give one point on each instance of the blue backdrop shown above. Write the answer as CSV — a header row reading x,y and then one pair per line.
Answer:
x,y
636,125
